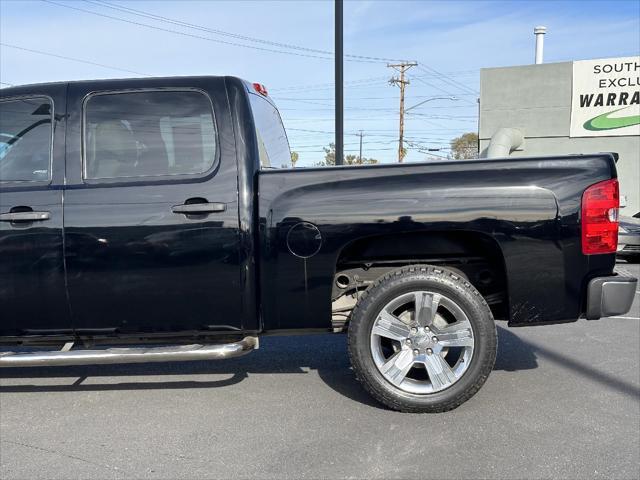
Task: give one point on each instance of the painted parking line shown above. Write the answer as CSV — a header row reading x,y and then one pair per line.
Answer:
x,y
627,318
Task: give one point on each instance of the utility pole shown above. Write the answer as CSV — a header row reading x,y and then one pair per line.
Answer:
x,y
402,83
339,79
360,135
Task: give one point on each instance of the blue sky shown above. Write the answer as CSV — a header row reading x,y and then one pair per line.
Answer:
x,y
454,38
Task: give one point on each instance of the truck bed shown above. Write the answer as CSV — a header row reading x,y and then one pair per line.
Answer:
x,y
529,208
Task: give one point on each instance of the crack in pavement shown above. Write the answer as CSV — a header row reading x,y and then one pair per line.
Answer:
x,y
56,452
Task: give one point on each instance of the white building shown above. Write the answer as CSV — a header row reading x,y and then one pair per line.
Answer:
x,y
562,108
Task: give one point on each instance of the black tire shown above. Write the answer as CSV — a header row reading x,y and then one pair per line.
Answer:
x,y
438,280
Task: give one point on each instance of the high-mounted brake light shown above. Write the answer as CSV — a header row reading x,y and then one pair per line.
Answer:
x,y
261,89
600,203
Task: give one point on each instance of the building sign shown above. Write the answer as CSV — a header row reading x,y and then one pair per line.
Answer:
x,y
606,97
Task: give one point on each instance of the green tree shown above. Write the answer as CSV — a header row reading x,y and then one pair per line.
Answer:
x,y
465,147
330,158
404,152
294,159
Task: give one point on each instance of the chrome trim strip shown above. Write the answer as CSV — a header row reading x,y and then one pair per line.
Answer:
x,y
129,355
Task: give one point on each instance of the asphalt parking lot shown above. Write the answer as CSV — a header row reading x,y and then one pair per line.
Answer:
x,y
563,401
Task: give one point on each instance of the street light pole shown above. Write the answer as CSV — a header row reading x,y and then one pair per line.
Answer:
x,y
431,99
339,79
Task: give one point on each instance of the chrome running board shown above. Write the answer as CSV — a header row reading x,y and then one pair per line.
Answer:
x,y
129,355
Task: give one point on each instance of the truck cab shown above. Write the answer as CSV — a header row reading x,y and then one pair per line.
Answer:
x,y
152,239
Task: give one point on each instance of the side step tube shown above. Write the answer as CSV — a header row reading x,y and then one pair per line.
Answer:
x,y
129,355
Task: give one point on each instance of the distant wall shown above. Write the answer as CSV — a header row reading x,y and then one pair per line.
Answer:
x,y
537,99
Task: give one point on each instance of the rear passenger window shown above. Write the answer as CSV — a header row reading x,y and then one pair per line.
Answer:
x,y
148,134
273,146
25,139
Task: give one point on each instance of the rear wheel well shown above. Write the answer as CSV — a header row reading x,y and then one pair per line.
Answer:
x,y
475,256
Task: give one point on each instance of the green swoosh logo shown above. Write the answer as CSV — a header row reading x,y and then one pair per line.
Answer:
x,y
603,122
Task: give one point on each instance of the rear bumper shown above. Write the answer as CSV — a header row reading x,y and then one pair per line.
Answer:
x,y
607,296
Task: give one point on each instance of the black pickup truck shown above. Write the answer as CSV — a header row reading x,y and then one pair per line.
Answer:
x,y
158,220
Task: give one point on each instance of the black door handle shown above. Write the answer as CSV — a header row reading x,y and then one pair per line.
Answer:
x,y
196,208
24,216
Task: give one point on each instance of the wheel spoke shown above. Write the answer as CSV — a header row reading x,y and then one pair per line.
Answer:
x,y
456,335
439,371
431,326
390,326
426,304
395,369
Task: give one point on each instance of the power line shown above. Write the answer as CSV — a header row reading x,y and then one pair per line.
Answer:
x,y
446,78
441,128
354,152
350,151
88,62
322,54
422,80
444,117
377,142
330,118
311,102
112,67
379,109
174,21
360,83
422,149
449,79
308,100
370,133
200,37
177,32
370,109
328,85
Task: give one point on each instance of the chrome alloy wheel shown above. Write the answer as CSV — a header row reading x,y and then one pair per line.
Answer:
x,y
422,342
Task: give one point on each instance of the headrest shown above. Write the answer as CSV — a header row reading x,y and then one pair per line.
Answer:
x,y
114,137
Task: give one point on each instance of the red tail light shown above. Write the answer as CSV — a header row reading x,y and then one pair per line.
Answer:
x,y
600,203
261,89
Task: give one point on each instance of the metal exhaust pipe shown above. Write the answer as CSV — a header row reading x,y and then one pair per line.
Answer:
x,y
179,353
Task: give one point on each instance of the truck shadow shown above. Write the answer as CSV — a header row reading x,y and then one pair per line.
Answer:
x,y
325,354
